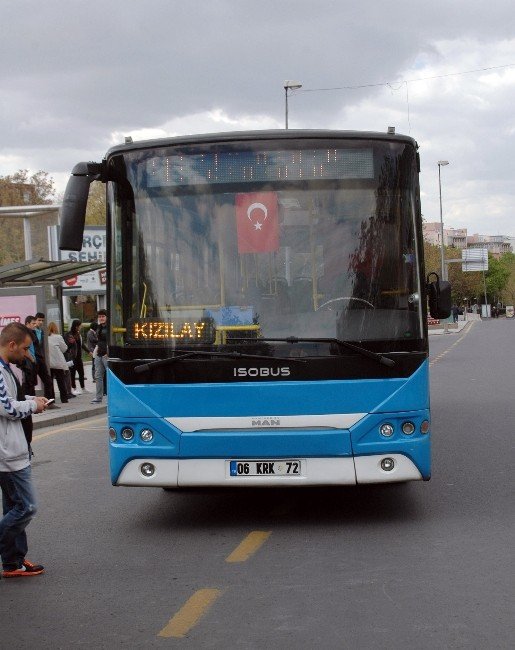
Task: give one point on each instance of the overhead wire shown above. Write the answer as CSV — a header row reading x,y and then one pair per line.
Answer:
x,y
406,81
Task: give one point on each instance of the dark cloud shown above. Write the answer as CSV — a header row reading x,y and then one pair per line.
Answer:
x,y
73,73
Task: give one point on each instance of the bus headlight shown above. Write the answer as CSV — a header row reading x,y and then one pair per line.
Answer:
x,y
386,430
127,433
146,435
424,427
112,434
408,428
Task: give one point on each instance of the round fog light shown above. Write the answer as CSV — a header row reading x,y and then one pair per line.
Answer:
x,y
127,433
147,469
146,435
387,464
408,428
386,430
112,434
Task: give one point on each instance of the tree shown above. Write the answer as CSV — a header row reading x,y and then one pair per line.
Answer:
x,y
22,189
463,284
508,293
497,276
96,208
432,258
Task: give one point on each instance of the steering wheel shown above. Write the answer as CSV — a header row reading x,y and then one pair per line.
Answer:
x,y
329,302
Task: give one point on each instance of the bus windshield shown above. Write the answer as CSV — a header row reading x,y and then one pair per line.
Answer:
x,y
219,244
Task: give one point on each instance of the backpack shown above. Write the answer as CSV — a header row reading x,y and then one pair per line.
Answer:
x,y
71,352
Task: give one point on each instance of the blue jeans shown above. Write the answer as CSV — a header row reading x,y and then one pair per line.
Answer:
x,y
19,507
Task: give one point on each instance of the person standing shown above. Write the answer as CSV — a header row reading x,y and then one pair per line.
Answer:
x,y
58,364
75,347
91,342
101,357
18,496
41,365
28,365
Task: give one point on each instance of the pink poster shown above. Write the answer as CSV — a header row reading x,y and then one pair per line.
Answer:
x,y
14,309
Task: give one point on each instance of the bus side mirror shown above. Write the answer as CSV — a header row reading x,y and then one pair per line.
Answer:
x,y
439,294
72,215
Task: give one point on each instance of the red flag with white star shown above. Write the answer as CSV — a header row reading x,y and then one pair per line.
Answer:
x,y
257,222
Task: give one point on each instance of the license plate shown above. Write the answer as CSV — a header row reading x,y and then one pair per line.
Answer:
x,y
265,467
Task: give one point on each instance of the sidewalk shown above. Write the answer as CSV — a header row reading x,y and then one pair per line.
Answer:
x,y
77,408
452,328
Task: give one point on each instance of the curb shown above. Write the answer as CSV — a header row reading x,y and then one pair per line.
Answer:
x,y
62,418
457,330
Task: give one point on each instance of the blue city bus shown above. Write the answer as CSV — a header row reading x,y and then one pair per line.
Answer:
x,y
267,308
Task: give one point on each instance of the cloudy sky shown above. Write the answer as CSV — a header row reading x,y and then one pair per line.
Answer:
x,y
76,77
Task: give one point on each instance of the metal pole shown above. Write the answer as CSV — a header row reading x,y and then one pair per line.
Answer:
x,y
27,238
286,106
442,250
484,284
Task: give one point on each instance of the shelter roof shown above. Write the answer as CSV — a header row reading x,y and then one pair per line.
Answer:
x,y
40,271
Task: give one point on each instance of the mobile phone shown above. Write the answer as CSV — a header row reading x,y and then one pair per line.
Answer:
x,y
49,401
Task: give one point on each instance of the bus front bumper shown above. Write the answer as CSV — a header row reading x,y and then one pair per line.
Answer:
x,y
214,472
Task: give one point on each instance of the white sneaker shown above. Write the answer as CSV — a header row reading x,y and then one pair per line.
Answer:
x,y
74,391
78,391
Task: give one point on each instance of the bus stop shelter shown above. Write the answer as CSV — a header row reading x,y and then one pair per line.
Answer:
x,y
24,277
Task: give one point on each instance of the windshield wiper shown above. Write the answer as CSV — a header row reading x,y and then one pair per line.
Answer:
x,y
377,356
201,353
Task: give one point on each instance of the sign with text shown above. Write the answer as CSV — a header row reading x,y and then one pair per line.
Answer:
x,y
173,330
93,250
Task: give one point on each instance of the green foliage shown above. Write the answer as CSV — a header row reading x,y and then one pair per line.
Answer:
x,y
508,293
497,277
500,277
96,209
22,189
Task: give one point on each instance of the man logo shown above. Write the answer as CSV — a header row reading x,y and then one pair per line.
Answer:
x,y
267,422
261,372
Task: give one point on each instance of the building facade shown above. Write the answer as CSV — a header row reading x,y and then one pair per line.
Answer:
x,y
497,245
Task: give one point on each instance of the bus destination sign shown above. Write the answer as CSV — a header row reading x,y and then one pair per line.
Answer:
x,y
238,166
178,330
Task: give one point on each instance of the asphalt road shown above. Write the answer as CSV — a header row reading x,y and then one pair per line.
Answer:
x,y
426,565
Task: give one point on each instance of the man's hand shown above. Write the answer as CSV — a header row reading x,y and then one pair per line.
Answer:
x,y
41,403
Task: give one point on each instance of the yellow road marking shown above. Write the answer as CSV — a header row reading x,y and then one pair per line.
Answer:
x,y
249,546
442,354
190,613
61,429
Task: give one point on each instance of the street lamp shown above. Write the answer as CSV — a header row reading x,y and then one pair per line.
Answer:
x,y
289,85
441,163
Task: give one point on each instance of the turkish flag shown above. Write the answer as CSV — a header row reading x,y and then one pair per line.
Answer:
x,y
257,222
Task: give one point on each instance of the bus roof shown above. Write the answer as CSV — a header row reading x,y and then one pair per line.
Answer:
x,y
277,134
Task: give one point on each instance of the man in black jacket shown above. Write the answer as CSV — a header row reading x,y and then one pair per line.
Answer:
x,y
101,357
38,338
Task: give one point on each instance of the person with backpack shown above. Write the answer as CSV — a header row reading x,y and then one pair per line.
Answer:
x,y
76,345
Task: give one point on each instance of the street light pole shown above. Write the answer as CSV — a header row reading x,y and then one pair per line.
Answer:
x,y
289,85
441,163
